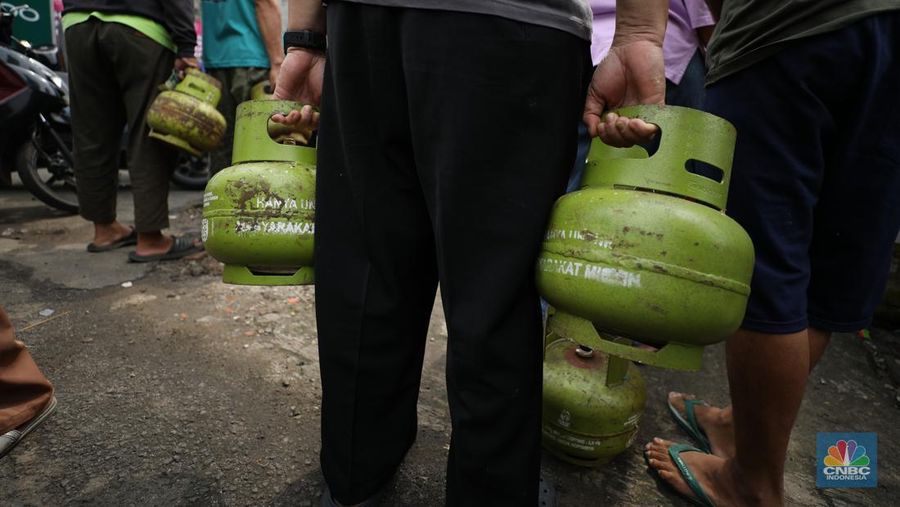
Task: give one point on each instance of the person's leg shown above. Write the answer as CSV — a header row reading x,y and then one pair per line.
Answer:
x,y
776,174
220,156
376,275
767,377
584,146
140,65
26,396
717,423
818,342
494,107
689,91
236,85
24,391
798,220
98,116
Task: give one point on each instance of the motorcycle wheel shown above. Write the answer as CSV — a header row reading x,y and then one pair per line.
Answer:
x,y
192,172
48,176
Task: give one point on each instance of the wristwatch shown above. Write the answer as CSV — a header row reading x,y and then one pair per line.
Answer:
x,y
307,39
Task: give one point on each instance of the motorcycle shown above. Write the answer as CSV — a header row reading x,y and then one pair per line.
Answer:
x,y
35,133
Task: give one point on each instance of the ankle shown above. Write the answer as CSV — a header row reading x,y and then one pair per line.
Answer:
x,y
153,241
152,237
108,228
753,487
722,417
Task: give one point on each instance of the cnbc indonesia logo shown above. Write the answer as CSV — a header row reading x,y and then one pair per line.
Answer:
x,y
847,462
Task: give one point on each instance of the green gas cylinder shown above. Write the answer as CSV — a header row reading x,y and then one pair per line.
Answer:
x,y
186,115
259,213
645,250
592,402
261,91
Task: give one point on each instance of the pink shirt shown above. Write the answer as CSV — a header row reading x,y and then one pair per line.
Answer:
x,y
680,44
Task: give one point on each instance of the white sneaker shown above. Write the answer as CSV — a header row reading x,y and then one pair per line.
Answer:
x,y
9,439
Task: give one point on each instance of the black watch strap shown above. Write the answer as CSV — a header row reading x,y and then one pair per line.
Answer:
x,y
304,39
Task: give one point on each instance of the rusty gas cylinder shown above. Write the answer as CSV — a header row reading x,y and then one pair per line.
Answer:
x,y
186,116
592,402
259,213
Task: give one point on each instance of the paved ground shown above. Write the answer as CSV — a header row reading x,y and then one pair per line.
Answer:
x,y
179,390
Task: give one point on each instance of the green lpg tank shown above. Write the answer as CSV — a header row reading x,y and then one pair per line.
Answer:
x,y
592,402
186,116
645,250
259,213
261,91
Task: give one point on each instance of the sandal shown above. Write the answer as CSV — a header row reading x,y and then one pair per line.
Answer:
x,y
700,497
130,239
181,246
689,422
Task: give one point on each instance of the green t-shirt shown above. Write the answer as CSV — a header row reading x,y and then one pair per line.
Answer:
x,y
231,36
751,30
148,27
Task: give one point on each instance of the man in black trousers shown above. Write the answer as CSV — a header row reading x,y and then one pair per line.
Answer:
x,y
445,137
118,53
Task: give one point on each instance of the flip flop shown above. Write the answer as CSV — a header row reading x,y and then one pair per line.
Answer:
x,y
181,246
700,497
129,240
689,422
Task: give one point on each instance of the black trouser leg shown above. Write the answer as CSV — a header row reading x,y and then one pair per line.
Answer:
x,y
445,139
113,72
140,65
494,109
98,116
375,266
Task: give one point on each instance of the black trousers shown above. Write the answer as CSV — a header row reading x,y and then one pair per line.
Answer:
x,y
114,72
444,140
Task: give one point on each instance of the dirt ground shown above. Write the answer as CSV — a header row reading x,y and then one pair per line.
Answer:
x,y
176,389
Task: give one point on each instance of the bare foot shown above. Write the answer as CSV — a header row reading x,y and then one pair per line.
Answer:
x,y
157,243
719,478
715,422
107,234
153,243
706,469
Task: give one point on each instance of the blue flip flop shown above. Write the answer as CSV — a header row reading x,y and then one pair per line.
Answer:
x,y
675,450
689,423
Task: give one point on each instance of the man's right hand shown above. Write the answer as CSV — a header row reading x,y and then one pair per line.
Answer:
x,y
300,79
632,73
